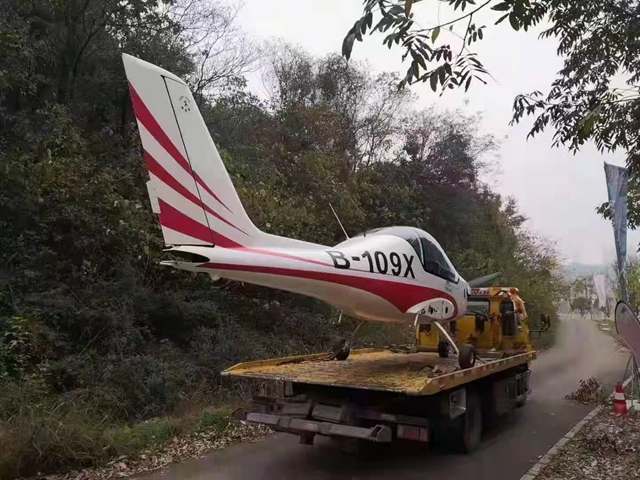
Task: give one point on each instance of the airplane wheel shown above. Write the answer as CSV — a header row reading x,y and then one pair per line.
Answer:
x,y
340,349
443,349
467,356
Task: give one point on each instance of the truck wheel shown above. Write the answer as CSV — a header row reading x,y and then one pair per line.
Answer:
x,y
467,357
471,431
340,349
443,349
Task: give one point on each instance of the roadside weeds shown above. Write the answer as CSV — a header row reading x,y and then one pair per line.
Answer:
x,y
214,432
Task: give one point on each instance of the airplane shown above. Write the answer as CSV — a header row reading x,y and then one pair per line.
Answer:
x,y
393,274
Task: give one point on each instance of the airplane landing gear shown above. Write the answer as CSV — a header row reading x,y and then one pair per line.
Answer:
x,y
341,348
466,354
443,349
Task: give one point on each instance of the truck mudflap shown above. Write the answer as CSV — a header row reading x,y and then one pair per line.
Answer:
x,y
306,428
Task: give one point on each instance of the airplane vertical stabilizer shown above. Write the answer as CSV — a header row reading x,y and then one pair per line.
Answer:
x,y
189,184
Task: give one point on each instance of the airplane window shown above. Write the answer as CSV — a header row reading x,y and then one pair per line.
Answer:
x,y
415,243
406,233
434,261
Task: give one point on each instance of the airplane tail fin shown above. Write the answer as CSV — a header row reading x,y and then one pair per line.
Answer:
x,y
189,185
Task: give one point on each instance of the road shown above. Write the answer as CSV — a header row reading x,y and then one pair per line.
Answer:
x,y
508,450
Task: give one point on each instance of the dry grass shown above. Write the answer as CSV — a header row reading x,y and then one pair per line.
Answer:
x,y
214,432
51,436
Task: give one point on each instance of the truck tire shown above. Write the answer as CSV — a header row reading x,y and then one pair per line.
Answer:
x,y
340,349
466,434
467,357
443,349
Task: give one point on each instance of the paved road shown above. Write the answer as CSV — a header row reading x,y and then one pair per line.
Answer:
x,y
507,451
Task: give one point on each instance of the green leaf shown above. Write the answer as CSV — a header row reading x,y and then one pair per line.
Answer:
x,y
347,44
363,26
501,18
501,7
418,58
434,34
513,20
433,79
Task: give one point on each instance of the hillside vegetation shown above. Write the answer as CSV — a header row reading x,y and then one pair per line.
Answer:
x,y
96,336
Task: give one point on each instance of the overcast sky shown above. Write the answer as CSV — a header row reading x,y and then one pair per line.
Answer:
x,y
556,190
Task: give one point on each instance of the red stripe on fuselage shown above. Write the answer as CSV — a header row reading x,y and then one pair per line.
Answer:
x,y
148,120
159,171
402,295
284,255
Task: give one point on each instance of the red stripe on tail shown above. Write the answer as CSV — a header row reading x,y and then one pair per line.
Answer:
x,y
174,219
160,172
147,119
205,186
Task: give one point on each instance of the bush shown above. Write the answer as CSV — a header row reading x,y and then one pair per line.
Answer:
x,y
40,432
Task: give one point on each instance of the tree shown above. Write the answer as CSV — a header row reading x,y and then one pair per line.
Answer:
x,y
596,95
358,111
582,304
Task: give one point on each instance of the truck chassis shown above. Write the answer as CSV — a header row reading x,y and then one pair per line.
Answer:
x,y
366,398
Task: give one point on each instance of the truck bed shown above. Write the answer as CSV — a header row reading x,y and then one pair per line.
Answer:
x,y
416,373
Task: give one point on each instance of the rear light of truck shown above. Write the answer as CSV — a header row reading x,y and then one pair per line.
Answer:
x,y
412,432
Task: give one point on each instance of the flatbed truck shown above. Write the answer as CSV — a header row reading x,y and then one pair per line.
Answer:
x,y
417,393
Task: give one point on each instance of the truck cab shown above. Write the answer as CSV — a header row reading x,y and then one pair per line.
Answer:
x,y
496,321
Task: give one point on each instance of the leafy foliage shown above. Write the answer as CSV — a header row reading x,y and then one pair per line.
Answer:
x,y
596,96
442,64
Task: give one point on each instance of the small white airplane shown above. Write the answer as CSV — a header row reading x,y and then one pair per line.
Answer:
x,y
395,274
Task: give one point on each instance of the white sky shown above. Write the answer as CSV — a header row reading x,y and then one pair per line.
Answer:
x,y
556,190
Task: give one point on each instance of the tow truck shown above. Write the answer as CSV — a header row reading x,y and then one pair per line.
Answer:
x,y
418,393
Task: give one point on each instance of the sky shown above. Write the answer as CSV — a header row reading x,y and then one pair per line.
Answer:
x,y
556,190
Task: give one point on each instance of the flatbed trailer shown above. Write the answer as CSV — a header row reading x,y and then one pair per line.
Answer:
x,y
381,395
421,393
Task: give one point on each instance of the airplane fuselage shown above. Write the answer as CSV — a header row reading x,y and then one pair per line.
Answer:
x,y
375,278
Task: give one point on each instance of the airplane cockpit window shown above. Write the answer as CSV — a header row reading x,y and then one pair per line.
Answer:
x,y
435,262
407,233
429,253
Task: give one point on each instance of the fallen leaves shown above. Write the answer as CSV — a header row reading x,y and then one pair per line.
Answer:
x,y
606,448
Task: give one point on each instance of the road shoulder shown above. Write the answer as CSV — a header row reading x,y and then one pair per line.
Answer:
x,y
600,446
